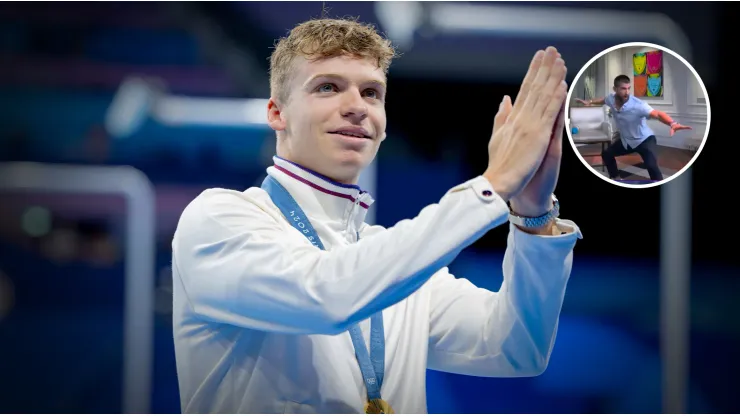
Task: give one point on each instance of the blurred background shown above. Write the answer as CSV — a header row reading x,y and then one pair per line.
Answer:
x,y
113,116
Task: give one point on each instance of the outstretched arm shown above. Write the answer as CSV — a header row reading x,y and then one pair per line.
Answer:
x,y
668,121
598,101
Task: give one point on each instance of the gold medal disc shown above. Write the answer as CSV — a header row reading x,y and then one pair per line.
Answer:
x,y
378,406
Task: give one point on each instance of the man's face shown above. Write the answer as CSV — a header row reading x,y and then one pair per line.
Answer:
x,y
623,90
334,118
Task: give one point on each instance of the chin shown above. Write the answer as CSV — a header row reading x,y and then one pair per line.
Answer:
x,y
350,164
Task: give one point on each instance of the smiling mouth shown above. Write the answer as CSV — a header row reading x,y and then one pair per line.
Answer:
x,y
351,134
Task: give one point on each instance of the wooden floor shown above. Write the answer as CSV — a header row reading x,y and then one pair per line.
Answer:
x,y
631,167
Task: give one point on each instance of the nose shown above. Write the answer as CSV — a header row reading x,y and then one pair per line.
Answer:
x,y
354,107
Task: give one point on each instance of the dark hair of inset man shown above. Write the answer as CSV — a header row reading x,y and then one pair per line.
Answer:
x,y
621,79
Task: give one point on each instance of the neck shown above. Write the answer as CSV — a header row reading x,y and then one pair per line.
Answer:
x,y
320,172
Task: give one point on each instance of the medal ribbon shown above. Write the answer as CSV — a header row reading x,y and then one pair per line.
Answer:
x,y
372,365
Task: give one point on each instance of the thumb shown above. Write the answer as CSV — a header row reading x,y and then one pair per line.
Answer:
x,y
504,109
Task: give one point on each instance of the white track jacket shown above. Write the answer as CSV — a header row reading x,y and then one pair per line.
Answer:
x,y
261,315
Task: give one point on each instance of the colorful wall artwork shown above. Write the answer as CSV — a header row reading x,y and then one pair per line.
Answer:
x,y
639,87
647,68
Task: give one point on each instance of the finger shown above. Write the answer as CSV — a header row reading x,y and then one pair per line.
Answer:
x,y
564,73
557,130
534,66
549,100
545,70
542,82
504,109
555,149
528,80
552,103
554,152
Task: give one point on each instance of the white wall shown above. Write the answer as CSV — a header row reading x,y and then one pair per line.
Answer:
x,y
682,99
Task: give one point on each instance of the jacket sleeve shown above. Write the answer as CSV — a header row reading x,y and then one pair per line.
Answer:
x,y
240,265
511,332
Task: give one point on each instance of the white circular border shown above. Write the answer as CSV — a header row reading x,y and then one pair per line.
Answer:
x,y
591,168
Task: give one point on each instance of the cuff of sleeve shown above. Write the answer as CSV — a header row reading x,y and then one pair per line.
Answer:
x,y
494,205
565,233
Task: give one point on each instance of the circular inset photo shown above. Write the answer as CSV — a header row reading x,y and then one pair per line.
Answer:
x,y
637,115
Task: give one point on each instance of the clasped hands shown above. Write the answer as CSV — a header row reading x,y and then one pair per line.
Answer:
x,y
526,146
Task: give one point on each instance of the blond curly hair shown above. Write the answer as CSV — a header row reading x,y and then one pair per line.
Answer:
x,y
326,38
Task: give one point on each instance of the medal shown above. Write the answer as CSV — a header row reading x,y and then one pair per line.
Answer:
x,y
378,406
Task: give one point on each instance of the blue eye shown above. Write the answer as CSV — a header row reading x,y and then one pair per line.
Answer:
x,y
373,93
326,88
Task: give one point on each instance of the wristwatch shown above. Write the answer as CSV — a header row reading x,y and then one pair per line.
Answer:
x,y
536,222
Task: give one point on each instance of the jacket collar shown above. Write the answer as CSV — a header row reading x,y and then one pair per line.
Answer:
x,y
319,196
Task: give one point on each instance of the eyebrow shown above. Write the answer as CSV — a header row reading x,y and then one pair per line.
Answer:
x,y
315,77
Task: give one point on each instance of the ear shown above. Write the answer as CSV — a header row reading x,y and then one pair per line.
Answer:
x,y
274,115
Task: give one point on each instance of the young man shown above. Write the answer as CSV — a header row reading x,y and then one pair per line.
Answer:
x,y
286,301
631,115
